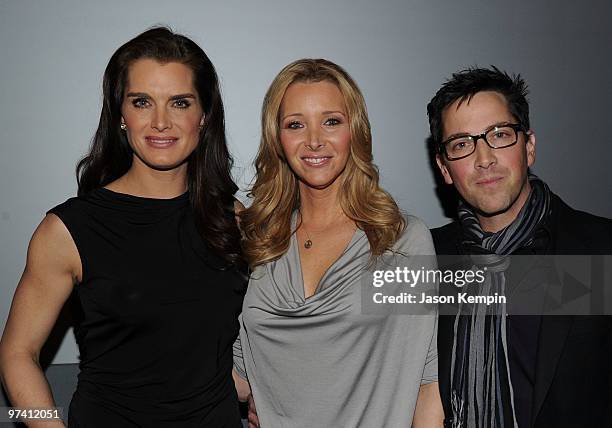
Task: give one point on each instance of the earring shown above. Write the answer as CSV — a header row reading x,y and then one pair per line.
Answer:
x,y
123,126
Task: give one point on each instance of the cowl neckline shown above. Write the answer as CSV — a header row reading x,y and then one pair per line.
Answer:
x,y
285,275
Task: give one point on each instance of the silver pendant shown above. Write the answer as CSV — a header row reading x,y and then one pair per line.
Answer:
x,y
308,244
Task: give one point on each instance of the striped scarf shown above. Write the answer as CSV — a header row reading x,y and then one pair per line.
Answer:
x,y
480,377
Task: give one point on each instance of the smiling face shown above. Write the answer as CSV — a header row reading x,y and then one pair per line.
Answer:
x,y
162,113
493,181
314,133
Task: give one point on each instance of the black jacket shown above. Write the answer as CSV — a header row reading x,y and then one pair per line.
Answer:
x,y
573,381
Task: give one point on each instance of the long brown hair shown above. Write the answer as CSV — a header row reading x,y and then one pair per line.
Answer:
x,y
211,187
266,224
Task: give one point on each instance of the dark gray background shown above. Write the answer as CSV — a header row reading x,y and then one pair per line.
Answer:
x,y
54,54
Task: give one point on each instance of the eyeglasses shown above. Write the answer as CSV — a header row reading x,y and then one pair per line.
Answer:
x,y
496,137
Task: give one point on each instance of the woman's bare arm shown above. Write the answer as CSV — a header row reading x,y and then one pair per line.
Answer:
x,y
53,266
428,412
242,386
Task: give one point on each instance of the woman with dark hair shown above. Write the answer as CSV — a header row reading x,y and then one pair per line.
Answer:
x,y
151,249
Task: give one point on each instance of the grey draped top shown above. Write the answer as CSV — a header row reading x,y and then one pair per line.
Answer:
x,y
320,361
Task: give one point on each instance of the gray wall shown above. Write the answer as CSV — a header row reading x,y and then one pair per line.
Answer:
x,y
54,53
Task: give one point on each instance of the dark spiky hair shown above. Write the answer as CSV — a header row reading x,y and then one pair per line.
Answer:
x,y
465,84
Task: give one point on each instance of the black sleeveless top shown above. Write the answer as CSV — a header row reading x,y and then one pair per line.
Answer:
x,y
158,316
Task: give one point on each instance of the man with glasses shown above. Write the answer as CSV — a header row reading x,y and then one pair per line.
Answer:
x,y
505,370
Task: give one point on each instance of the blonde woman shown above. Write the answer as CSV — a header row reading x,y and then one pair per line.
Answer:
x,y
318,218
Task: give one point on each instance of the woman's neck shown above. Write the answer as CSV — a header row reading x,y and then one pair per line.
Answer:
x,y
141,180
320,208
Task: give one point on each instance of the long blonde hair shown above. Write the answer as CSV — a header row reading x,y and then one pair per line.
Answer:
x,y
266,224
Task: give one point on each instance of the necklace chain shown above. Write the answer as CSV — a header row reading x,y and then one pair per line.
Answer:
x,y
308,241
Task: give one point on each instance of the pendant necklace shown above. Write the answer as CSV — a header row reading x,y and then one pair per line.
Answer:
x,y
308,241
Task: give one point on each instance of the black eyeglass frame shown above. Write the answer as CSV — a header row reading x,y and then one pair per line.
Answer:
x,y
516,127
